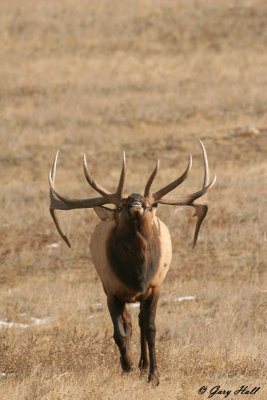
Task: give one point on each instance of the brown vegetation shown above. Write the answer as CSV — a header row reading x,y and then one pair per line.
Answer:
x,y
147,77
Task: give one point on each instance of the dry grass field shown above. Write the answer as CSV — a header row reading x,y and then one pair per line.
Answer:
x,y
148,77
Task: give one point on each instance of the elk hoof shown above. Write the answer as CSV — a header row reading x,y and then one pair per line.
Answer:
x,y
126,367
153,378
143,365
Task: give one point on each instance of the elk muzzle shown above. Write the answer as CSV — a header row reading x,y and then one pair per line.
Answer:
x,y
135,205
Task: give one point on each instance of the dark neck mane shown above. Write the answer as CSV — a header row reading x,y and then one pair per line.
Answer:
x,y
134,253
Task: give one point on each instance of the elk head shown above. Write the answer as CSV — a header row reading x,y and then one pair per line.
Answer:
x,y
134,208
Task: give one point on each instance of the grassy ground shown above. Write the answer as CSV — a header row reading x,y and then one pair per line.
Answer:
x,y
147,77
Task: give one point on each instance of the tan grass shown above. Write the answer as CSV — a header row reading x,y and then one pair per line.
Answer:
x,y
148,77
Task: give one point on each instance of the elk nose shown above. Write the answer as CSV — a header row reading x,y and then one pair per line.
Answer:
x,y
136,204
136,208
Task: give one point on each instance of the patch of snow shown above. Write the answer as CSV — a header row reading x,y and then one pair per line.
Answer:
x,y
40,321
6,374
36,321
52,245
184,298
97,306
91,316
134,305
12,324
13,290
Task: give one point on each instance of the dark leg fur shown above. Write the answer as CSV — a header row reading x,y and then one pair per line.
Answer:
x,y
144,362
122,330
148,313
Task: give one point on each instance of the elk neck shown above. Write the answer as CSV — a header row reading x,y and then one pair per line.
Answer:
x,y
135,230
134,251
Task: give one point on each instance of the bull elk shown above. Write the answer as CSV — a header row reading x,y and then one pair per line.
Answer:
x,y
131,250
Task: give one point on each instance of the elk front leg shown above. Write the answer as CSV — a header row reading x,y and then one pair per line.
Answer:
x,y
122,330
150,307
143,363
128,328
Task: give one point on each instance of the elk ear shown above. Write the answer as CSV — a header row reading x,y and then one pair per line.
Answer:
x,y
104,213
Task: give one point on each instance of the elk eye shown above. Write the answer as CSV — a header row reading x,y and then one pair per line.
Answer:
x,y
149,208
119,209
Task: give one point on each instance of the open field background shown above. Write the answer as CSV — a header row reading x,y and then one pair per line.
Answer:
x,y
147,77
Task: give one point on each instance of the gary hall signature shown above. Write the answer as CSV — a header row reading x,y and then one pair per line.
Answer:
x,y
216,390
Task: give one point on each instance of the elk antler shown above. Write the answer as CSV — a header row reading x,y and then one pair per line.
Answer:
x,y
59,202
189,200
170,186
113,197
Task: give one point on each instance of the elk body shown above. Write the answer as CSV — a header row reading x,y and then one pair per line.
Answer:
x,y
131,250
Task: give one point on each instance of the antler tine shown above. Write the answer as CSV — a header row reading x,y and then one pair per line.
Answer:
x,y
59,228
54,167
206,165
52,178
54,201
122,177
59,202
202,209
112,198
151,179
171,186
189,199
92,182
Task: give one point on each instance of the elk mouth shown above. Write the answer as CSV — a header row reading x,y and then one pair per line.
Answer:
x,y
135,206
